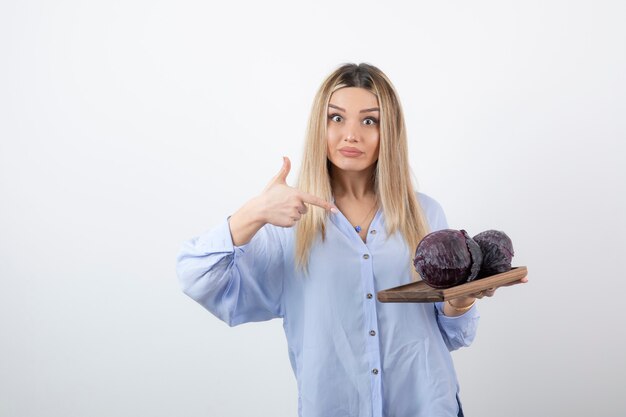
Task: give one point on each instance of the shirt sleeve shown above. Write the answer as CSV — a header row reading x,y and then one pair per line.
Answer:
x,y
237,284
458,331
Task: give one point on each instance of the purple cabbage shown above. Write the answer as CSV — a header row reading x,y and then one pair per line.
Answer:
x,y
448,257
497,250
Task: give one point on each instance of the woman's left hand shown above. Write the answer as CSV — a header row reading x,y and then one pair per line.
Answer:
x,y
489,292
460,304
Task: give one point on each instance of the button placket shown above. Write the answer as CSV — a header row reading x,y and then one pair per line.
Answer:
x,y
372,317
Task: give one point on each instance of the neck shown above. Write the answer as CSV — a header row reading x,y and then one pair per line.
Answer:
x,y
352,185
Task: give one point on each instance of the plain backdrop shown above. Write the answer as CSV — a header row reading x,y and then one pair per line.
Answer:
x,y
128,127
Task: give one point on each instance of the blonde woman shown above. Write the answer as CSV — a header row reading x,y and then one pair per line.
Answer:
x,y
315,255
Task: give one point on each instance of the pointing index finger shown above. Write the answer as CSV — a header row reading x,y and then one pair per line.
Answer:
x,y
316,201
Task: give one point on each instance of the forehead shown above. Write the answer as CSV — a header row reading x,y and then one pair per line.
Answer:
x,y
353,98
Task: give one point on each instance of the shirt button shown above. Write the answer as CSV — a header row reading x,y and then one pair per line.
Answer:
x,y
372,332
375,371
369,295
373,231
366,256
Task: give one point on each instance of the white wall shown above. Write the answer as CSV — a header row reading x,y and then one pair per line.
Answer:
x,y
127,127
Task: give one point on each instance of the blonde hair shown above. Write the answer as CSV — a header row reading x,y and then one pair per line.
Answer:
x,y
392,177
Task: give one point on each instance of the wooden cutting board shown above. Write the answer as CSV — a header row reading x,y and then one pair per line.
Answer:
x,y
420,292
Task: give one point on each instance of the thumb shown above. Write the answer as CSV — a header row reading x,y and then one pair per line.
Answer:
x,y
281,177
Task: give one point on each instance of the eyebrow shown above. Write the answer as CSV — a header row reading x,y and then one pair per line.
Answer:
x,y
362,111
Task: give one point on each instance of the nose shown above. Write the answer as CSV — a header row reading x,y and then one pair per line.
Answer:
x,y
351,133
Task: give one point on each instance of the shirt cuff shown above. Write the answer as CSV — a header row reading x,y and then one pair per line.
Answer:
x,y
469,314
218,239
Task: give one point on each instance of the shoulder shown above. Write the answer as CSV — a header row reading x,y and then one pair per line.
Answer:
x,y
427,202
433,212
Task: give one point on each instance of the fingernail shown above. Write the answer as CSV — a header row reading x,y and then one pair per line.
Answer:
x,y
334,210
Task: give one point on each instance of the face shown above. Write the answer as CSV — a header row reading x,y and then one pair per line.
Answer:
x,y
353,129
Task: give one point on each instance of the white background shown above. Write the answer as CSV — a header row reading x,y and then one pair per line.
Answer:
x,y
127,127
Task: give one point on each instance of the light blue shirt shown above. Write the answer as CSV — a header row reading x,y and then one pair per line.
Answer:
x,y
351,354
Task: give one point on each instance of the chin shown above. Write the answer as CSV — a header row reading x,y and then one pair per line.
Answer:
x,y
352,165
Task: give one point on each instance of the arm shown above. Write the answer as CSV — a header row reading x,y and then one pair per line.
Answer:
x,y
457,331
236,270
237,284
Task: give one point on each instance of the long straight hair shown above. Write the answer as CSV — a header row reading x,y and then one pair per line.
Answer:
x,y
392,177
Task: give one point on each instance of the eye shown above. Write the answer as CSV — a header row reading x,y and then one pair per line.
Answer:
x,y
370,121
335,118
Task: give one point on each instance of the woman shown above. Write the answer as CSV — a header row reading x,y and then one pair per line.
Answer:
x,y
316,255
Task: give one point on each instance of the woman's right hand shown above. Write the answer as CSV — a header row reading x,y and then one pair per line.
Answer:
x,y
282,205
278,204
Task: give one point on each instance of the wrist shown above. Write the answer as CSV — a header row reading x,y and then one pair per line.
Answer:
x,y
244,224
462,304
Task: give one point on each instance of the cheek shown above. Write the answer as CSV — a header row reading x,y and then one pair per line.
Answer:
x,y
374,141
332,138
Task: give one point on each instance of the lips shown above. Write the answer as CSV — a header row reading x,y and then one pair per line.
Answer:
x,y
350,152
